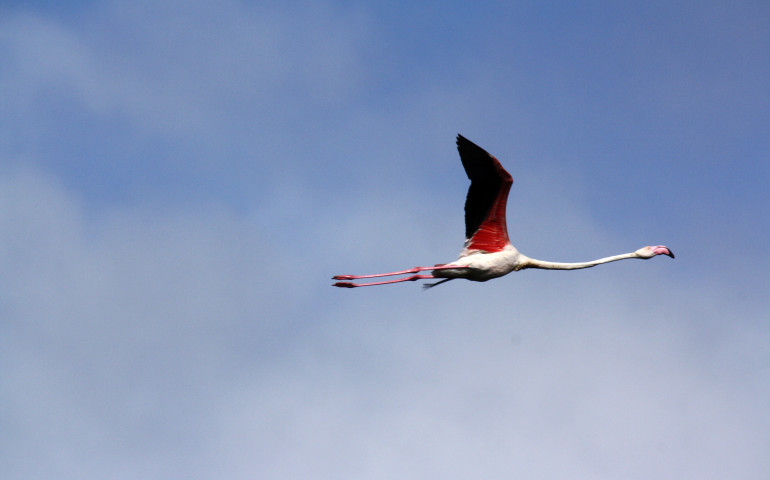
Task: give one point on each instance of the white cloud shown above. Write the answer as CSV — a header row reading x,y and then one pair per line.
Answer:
x,y
113,325
166,70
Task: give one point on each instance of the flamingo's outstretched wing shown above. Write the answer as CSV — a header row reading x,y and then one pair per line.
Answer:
x,y
485,227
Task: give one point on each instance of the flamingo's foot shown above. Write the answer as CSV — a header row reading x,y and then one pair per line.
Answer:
x,y
344,284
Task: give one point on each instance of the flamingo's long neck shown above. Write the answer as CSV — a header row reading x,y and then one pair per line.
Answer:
x,y
533,263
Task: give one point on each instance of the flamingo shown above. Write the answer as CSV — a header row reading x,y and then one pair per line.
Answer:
x,y
488,252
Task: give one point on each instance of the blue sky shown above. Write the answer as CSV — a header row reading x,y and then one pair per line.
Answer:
x,y
180,180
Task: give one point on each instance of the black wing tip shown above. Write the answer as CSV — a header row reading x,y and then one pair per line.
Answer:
x,y
463,144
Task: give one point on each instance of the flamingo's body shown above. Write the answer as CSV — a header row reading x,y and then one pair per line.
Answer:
x,y
488,252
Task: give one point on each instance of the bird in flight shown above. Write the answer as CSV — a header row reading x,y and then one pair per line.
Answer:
x,y
488,252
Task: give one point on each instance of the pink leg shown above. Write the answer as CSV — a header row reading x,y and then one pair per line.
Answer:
x,y
402,272
405,279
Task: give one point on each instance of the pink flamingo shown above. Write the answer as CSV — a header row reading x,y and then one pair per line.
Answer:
x,y
488,252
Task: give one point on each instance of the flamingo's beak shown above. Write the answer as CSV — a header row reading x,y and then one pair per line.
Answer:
x,y
661,250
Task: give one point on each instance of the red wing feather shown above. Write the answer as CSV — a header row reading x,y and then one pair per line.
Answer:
x,y
492,234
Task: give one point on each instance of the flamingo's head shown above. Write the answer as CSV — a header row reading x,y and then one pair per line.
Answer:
x,y
649,252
